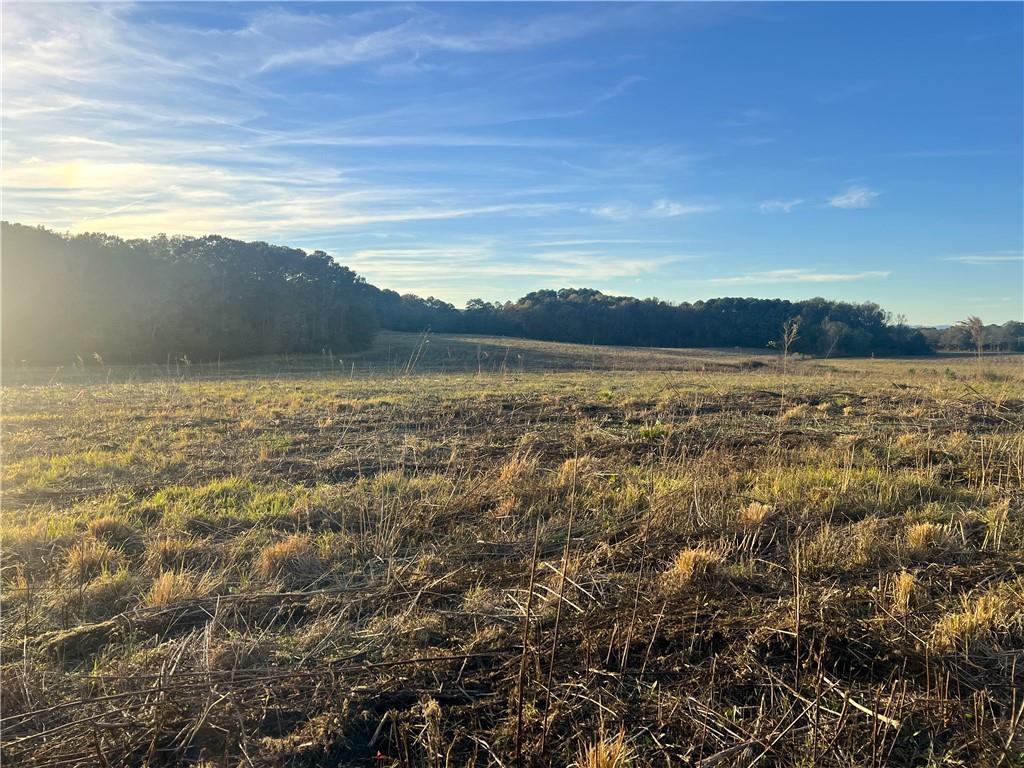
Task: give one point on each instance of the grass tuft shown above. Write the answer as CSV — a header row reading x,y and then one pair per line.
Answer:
x,y
904,592
172,587
611,752
927,540
691,565
89,558
982,622
753,515
294,561
114,531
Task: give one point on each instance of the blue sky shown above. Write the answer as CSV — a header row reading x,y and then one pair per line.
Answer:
x,y
855,151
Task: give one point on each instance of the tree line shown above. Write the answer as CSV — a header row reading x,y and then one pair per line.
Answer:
x,y
198,298
69,297
826,328
972,333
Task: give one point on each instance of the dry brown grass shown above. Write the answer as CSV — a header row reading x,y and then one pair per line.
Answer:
x,y
164,553
608,752
690,566
172,587
294,561
925,540
89,558
826,551
904,592
350,573
114,531
982,621
753,515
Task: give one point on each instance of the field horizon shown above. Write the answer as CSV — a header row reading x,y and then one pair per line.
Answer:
x,y
397,353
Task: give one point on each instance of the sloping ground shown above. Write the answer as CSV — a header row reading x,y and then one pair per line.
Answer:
x,y
402,354
497,354
724,566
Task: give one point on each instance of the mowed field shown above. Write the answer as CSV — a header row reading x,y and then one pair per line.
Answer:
x,y
458,551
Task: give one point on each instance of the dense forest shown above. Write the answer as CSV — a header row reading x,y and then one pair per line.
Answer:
x,y
96,296
70,297
591,317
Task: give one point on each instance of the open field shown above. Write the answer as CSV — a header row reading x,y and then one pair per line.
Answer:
x,y
451,551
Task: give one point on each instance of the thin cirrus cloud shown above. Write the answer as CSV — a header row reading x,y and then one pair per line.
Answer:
x,y
408,268
660,209
88,147
780,206
424,32
986,259
798,275
852,197
670,209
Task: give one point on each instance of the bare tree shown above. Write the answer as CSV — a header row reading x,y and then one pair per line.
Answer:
x,y
976,328
790,333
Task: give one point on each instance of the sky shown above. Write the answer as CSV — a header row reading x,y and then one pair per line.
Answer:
x,y
856,151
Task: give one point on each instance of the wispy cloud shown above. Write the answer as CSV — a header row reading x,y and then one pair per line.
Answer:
x,y
662,208
331,44
854,197
169,127
984,259
610,211
446,264
599,241
797,275
671,208
619,88
780,206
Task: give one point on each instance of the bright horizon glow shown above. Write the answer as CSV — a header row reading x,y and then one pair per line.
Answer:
x,y
685,151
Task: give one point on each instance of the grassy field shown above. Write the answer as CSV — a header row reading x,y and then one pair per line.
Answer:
x,y
455,551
